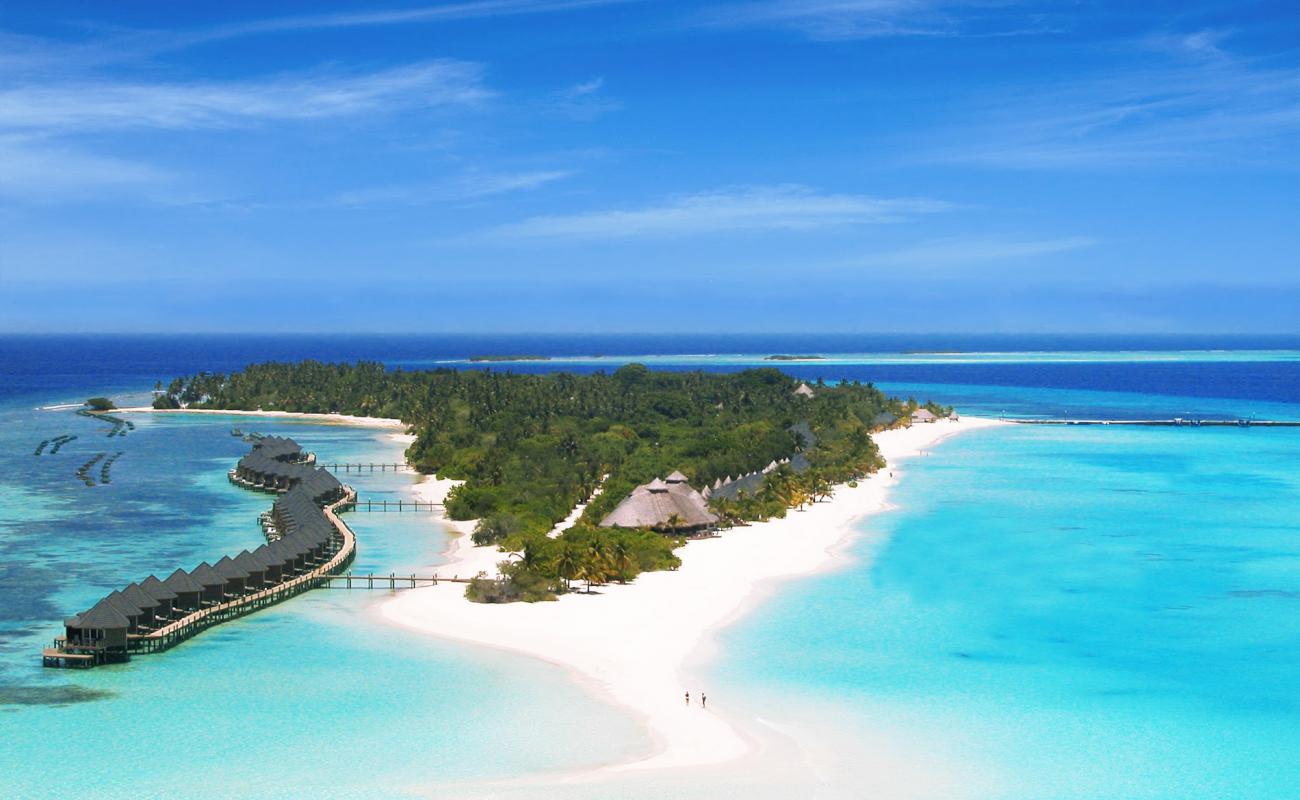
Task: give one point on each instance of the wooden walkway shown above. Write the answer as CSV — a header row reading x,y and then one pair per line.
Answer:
x,y
367,467
1177,422
177,631
393,505
392,582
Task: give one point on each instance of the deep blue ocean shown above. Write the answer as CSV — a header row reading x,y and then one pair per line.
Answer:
x,y
1050,613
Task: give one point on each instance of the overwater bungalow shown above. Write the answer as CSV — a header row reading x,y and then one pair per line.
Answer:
x,y
159,591
188,591
255,579
235,577
213,583
141,599
138,618
97,635
272,567
128,609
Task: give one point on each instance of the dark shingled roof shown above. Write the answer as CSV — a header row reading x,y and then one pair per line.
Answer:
x,y
103,615
248,563
119,601
139,597
266,557
157,589
229,570
206,576
181,581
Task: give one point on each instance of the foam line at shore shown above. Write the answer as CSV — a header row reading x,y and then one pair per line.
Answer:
x,y
633,643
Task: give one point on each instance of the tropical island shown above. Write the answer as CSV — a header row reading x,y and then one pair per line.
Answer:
x,y
527,449
787,357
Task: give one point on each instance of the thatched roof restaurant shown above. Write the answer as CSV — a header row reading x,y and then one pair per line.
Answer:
x,y
667,505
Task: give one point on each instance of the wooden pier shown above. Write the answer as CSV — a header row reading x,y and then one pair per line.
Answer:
x,y
1177,422
394,505
366,467
392,582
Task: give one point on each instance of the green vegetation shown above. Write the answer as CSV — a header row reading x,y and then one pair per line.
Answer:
x,y
531,447
100,404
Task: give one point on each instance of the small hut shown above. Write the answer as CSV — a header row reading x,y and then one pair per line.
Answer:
x,y
126,608
923,415
236,577
102,628
804,390
214,585
188,591
140,599
159,591
256,571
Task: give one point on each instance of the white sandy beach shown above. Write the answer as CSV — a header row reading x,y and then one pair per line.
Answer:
x,y
633,643
326,419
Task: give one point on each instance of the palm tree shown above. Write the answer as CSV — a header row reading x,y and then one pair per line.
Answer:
x,y
620,556
675,522
568,564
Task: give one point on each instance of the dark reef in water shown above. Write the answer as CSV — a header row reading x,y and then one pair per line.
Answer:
x,y
50,695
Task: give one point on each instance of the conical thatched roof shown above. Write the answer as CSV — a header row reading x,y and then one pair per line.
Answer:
x,y
228,569
662,506
676,477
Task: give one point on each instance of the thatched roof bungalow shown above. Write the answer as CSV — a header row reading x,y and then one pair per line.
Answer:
x,y
101,626
669,505
188,591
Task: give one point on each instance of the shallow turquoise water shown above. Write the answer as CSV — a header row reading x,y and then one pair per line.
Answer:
x,y
1062,613
313,698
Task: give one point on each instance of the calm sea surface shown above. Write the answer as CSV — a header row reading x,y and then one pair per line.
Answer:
x,y
1072,613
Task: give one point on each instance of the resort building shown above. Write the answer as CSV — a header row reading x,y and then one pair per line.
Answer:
x,y
923,415
667,505
805,390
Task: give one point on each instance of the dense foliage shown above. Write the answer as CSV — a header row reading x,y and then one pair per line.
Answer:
x,y
530,447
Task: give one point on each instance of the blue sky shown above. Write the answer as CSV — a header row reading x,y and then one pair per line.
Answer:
x,y
613,165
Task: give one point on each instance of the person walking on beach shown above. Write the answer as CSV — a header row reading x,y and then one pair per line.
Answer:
x,y
704,700
688,698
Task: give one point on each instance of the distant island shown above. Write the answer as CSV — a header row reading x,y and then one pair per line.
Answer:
x,y
785,357
509,357
723,448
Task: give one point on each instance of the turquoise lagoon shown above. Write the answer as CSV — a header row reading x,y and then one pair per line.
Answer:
x,y
313,698
1059,613
1049,613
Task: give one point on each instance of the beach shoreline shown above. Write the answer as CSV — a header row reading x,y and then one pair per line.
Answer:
x,y
639,645
324,419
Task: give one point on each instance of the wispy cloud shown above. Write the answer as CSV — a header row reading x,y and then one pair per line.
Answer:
x,y
1201,106
583,101
869,19
442,12
32,169
467,188
763,208
949,253
99,105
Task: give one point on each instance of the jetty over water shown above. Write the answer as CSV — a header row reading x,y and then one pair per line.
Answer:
x,y
307,544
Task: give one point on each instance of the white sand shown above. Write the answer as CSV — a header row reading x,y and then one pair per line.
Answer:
x,y
328,419
633,643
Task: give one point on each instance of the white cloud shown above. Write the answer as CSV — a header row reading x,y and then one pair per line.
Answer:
x,y
466,188
1204,106
72,107
942,254
869,19
35,170
771,208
